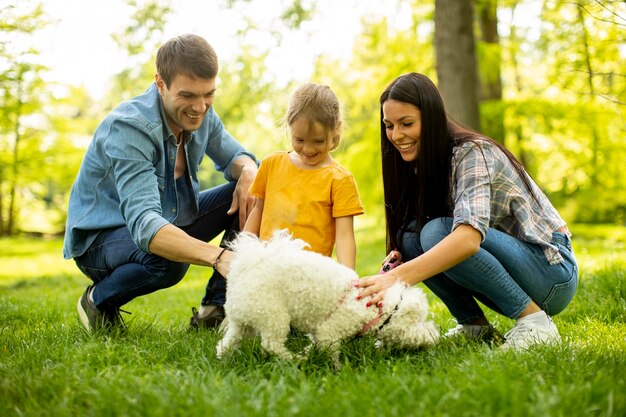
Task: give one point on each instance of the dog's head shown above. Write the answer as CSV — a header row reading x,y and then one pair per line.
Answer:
x,y
405,311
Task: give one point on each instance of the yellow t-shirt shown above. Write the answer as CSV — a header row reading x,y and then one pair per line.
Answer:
x,y
306,202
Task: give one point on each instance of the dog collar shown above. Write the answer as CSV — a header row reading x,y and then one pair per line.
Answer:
x,y
367,326
376,319
372,323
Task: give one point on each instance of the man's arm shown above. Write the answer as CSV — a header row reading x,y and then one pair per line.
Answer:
x,y
170,242
174,244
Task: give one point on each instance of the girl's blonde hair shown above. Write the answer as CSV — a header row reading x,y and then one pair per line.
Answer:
x,y
316,103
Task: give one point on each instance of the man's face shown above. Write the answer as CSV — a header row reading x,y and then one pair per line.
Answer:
x,y
186,101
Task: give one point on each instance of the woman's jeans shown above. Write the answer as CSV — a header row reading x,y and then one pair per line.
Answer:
x,y
122,271
506,274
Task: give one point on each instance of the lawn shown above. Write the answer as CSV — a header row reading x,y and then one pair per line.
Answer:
x,y
49,366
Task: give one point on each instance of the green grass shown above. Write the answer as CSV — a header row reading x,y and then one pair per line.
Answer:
x,y
49,366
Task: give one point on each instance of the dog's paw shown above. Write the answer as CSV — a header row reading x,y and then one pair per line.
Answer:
x,y
220,350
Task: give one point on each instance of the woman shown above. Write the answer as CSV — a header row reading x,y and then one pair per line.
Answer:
x,y
468,221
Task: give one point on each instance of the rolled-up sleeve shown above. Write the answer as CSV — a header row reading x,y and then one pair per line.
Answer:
x,y
471,185
136,181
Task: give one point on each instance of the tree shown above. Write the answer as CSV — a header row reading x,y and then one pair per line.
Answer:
x,y
456,59
41,130
140,39
381,53
489,69
21,98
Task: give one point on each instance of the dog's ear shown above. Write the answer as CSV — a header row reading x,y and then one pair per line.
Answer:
x,y
420,334
413,305
408,327
393,297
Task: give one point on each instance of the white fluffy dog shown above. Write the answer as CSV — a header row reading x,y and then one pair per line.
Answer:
x,y
277,284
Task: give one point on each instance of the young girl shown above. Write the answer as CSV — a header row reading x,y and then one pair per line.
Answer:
x,y
468,221
305,190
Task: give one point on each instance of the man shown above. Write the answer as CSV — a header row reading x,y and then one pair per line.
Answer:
x,y
136,218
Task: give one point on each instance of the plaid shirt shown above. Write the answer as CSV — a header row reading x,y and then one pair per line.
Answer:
x,y
488,192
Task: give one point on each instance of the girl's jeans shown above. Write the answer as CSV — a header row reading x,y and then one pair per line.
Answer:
x,y
122,271
505,274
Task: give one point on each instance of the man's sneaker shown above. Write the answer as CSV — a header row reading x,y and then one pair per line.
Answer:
x,y
527,333
94,319
91,318
210,321
482,333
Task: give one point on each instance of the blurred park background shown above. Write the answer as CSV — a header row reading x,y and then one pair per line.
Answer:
x,y
546,78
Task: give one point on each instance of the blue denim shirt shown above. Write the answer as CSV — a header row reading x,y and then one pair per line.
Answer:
x,y
127,174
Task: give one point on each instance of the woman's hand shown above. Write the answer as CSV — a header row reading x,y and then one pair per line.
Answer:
x,y
391,261
375,287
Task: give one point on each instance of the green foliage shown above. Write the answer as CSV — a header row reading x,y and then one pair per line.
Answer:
x,y
563,111
296,13
21,99
50,367
559,153
140,40
144,33
491,117
380,54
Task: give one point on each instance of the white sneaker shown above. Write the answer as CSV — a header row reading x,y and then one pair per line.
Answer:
x,y
470,331
527,333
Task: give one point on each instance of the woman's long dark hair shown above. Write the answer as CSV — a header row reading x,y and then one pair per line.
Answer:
x,y
420,190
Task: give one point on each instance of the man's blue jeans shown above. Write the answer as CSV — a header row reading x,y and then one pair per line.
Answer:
x,y
122,271
505,274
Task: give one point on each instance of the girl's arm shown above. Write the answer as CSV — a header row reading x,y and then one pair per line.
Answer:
x,y
459,245
345,244
253,224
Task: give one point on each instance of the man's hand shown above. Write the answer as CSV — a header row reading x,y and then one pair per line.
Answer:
x,y
243,201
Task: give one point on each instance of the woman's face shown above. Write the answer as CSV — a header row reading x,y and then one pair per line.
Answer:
x,y
403,126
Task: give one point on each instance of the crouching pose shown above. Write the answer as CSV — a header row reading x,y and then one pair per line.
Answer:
x,y
136,217
468,221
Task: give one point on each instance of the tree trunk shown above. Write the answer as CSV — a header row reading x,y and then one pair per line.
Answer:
x,y
522,154
491,82
490,57
456,60
13,181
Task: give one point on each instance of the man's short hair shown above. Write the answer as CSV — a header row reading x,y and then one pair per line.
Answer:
x,y
189,55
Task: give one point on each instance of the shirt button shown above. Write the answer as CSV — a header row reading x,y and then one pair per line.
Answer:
x,y
173,210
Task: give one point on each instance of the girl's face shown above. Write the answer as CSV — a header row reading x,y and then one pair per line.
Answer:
x,y
403,125
311,142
